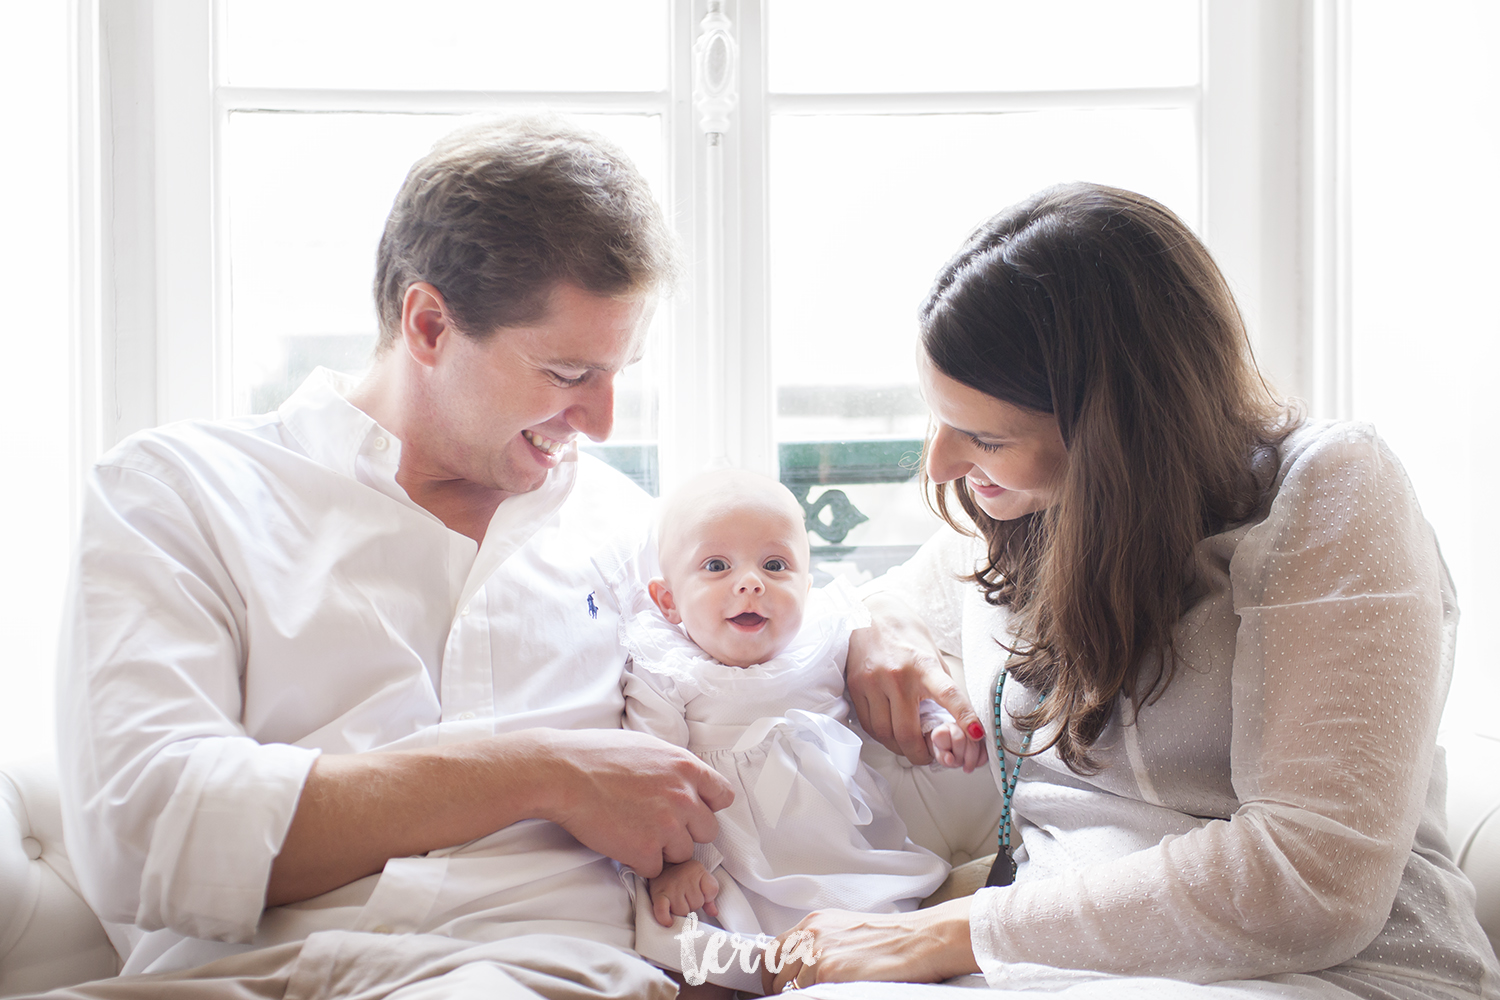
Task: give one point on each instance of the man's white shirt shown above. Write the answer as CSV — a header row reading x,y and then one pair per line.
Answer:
x,y
251,593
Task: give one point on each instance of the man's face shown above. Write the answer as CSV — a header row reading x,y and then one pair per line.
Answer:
x,y
500,412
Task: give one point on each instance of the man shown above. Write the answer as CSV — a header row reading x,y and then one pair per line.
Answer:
x,y
310,654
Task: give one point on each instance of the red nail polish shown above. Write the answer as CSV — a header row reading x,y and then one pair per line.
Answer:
x,y
976,731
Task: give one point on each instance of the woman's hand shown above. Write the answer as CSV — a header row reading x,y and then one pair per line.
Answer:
x,y
893,665
836,946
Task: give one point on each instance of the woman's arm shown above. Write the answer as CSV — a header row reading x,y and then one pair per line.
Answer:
x,y
896,661
924,946
1340,668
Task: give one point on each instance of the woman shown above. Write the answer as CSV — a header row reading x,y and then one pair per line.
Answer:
x,y
1221,637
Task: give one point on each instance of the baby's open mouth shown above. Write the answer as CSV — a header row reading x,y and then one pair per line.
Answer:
x,y
748,619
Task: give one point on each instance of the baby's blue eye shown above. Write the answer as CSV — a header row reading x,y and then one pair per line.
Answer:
x,y
776,566
716,565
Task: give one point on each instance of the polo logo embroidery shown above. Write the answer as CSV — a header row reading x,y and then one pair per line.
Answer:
x,y
593,608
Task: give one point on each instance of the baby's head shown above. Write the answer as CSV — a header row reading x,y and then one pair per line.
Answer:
x,y
734,562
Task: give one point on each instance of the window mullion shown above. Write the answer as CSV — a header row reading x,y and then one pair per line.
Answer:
x,y
184,209
1253,177
91,260
681,434
751,427
125,283
716,406
153,224
1327,212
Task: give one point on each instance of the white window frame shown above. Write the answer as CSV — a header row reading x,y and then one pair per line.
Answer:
x,y
151,323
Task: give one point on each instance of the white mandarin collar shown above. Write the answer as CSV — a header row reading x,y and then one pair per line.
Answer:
x,y
518,518
337,434
333,431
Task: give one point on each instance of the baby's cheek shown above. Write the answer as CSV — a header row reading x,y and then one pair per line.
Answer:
x,y
792,617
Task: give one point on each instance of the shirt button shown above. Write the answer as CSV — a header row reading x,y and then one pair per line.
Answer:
x,y
466,715
381,444
465,611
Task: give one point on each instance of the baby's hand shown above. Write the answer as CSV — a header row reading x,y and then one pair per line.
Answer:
x,y
681,889
952,747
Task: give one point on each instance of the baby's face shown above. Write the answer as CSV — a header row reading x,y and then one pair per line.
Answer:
x,y
736,577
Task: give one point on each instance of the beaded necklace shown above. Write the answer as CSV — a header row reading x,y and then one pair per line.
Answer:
x,y
1003,871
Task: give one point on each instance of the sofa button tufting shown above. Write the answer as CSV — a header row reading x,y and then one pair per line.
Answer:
x,y
32,847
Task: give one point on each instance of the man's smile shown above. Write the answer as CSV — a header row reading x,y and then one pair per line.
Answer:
x,y
545,445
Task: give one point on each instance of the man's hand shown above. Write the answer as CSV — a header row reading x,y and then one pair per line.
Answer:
x,y
950,746
893,665
681,889
630,796
627,795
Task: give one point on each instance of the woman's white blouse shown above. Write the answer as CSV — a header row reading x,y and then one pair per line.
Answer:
x,y
1280,808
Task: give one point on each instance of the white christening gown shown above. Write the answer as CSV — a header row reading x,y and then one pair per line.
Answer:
x,y
811,826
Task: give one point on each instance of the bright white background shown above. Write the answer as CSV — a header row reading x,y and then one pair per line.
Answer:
x,y
35,435
1425,144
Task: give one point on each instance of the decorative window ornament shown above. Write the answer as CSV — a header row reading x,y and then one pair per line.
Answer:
x,y
716,62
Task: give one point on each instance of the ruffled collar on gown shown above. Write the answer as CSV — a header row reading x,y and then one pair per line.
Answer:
x,y
664,649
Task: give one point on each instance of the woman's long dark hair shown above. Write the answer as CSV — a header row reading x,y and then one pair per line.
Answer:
x,y
1100,307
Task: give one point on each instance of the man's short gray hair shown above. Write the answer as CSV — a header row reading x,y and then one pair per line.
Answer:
x,y
502,210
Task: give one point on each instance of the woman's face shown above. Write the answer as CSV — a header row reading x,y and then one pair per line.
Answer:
x,y
1010,459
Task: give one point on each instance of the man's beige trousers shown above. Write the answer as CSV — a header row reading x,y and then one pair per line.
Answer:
x,y
355,966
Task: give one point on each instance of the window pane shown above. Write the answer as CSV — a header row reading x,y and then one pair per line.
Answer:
x,y
820,46
308,197
865,209
446,44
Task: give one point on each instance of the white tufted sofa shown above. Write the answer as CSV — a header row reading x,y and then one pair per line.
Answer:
x,y
50,938
48,935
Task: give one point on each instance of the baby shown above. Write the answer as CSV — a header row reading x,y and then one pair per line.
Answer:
x,y
744,665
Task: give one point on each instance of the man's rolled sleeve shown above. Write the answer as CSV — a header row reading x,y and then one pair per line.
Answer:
x,y
212,847
172,811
